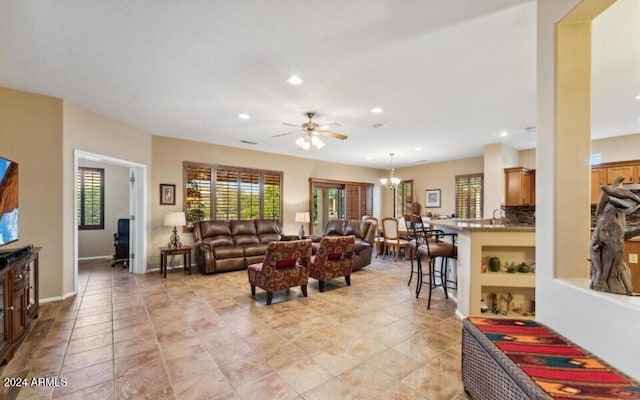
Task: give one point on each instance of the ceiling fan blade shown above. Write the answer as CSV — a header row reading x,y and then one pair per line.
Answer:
x,y
288,124
284,134
324,127
334,135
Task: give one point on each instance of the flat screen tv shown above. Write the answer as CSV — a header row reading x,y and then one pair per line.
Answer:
x,y
8,201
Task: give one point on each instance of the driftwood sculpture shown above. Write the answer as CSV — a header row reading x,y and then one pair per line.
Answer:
x,y
609,273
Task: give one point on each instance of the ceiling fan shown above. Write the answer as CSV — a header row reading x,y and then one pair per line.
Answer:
x,y
311,132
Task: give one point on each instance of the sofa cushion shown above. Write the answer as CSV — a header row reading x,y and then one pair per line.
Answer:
x,y
266,238
219,240
214,228
335,227
243,227
255,249
268,230
286,263
268,226
356,228
222,252
244,240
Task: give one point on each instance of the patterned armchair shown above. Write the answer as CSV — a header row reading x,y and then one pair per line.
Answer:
x,y
283,267
333,259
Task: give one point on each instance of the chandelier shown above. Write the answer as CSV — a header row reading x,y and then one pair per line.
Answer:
x,y
305,142
391,182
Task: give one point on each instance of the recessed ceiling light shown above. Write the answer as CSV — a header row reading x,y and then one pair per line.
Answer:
x,y
294,80
376,110
369,158
504,133
638,97
418,149
244,116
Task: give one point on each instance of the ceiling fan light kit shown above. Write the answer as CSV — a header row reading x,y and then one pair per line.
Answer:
x,y
312,132
391,182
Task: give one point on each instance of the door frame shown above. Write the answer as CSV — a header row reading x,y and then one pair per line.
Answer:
x,y
137,208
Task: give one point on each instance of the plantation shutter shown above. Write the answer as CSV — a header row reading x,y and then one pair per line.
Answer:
x,y
403,198
271,196
249,195
359,200
238,193
227,197
90,193
469,199
198,189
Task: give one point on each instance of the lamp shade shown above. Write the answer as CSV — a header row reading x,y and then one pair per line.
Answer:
x,y
303,217
175,218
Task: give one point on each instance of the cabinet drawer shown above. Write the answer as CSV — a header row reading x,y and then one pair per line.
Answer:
x,y
19,278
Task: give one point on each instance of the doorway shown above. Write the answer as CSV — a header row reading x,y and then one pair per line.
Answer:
x,y
328,203
135,177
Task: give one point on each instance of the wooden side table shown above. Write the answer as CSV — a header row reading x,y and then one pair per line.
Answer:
x,y
172,251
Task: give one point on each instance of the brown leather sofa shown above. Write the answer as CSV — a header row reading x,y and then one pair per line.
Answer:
x,y
233,245
364,233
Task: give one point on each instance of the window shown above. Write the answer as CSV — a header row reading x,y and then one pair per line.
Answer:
x,y
469,196
402,199
90,183
221,192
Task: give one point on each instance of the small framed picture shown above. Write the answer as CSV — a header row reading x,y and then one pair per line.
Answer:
x,y
167,194
432,198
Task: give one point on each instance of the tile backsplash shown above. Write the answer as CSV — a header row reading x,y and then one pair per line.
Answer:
x,y
520,215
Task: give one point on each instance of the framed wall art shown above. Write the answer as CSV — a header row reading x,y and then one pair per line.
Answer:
x,y
432,198
167,194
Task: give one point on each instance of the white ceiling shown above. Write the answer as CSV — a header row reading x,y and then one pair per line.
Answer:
x,y
450,75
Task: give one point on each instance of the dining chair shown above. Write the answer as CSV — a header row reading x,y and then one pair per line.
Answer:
x,y
378,238
392,238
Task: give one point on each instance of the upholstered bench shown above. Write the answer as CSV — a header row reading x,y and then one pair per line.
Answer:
x,y
521,359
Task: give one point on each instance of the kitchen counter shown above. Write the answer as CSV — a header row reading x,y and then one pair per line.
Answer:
x,y
480,225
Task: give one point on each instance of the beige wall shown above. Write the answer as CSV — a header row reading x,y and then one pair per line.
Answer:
x,y
99,242
91,132
166,167
619,148
31,135
436,176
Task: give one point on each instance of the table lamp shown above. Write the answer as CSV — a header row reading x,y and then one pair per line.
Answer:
x,y
175,219
304,218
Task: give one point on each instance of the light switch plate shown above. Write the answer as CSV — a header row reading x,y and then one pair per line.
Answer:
x,y
633,258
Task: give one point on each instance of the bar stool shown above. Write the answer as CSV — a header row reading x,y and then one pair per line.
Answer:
x,y
432,248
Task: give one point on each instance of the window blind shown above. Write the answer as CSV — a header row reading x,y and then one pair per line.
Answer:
x,y
90,182
469,198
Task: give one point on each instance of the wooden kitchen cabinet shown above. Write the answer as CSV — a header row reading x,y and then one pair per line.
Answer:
x,y
598,177
627,171
519,186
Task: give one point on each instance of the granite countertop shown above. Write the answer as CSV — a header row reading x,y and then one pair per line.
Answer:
x,y
481,225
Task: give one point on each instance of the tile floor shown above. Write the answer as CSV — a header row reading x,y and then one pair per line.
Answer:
x,y
203,337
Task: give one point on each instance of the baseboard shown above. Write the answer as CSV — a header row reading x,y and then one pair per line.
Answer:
x,y
57,298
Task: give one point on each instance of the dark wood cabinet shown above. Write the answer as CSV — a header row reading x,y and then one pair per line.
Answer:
x,y
18,302
519,187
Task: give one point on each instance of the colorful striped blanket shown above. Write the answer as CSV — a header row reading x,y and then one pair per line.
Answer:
x,y
560,368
